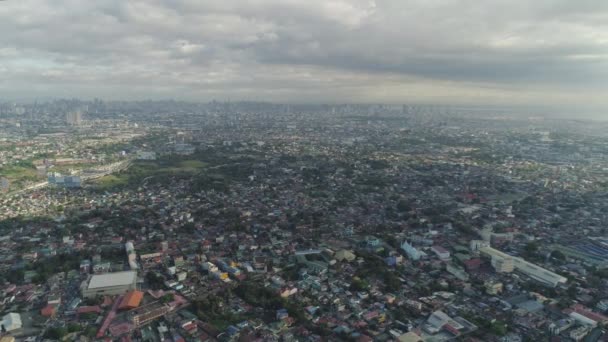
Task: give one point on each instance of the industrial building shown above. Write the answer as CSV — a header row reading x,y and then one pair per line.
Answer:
x,y
116,283
591,251
64,181
502,261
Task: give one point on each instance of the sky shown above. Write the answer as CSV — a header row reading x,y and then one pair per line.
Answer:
x,y
505,52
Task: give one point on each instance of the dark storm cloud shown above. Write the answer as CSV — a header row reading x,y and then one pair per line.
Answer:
x,y
382,50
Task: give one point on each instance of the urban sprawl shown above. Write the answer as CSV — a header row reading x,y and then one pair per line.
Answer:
x,y
245,221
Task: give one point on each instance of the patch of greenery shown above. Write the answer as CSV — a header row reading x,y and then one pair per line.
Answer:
x,y
19,174
159,170
111,181
211,310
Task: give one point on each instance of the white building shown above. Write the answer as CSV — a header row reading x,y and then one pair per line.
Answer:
x,y
500,260
184,149
146,155
582,319
437,320
457,272
131,255
111,284
58,179
411,252
11,321
476,245
579,333
74,117
441,252
503,265
207,266
560,326
602,305
488,235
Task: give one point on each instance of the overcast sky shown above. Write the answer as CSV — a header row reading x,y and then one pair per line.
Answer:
x,y
439,51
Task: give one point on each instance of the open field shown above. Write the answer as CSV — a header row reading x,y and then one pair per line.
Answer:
x,y
141,170
18,174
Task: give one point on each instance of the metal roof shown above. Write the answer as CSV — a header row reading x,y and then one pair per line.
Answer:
x,y
112,279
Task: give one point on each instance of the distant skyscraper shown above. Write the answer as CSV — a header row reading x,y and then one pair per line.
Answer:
x,y
74,117
5,184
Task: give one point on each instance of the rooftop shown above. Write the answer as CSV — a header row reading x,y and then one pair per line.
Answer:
x,y
131,300
112,279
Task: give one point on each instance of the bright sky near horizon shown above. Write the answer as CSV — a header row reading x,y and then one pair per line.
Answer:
x,y
518,52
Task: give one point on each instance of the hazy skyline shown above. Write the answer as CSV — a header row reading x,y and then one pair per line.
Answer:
x,y
393,51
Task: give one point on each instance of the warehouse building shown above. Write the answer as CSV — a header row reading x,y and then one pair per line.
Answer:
x,y
527,268
116,283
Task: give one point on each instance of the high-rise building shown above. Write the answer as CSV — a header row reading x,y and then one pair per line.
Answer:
x,y
131,255
74,117
5,184
503,265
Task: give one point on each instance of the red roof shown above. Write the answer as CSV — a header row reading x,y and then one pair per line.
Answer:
x,y
189,326
364,338
581,310
156,294
131,300
451,329
107,301
88,309
48,311
472,263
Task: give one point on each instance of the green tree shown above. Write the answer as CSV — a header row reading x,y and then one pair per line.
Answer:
x,y
403,206
391,282
499,328
558,255
90,331
56,333
167,298
531,248
358,284
73,327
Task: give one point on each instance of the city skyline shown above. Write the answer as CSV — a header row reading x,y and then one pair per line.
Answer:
x,y
304,170
541,54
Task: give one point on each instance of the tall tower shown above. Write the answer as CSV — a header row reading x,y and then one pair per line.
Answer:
x,y
74,117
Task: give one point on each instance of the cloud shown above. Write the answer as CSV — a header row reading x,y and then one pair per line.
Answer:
x,y
491,51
